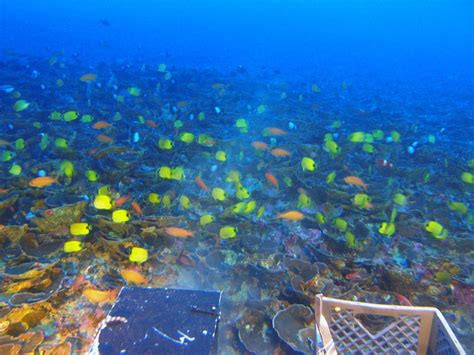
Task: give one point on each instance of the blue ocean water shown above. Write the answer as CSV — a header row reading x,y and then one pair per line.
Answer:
x,y
378,95
390,38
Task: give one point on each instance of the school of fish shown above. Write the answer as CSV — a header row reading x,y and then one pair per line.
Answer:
x,y
157,176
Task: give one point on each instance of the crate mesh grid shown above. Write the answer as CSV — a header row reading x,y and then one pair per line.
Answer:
x,y
351,336
443,346
401,330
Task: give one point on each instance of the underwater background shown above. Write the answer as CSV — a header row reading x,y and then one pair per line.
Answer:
x,y
273,150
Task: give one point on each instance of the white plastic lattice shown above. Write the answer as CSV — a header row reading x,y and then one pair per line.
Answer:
x,y
350,335
348,327
443,343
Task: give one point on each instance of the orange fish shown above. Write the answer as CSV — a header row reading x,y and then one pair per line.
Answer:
x,y
136,208
209,142
76,285
4,191
4,143
217,86
101,125
273,131
151,123
272,180
182,104
259,145
279,152
121,201
353,276
102,138
403,300
88,77
368,205
98,296
201,184
43,181
354,180
133,276
92,152
185,260
178,232
291,215
52,60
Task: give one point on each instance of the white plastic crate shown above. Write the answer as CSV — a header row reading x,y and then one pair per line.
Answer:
x,y
411,330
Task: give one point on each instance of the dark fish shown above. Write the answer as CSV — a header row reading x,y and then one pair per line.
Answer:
x,y
185,260
104,22
241,69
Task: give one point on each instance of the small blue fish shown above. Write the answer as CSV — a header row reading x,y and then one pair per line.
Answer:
x,y
7,89
136,137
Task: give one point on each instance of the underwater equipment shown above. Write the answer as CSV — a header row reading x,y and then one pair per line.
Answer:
x,y
344,328
160,321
